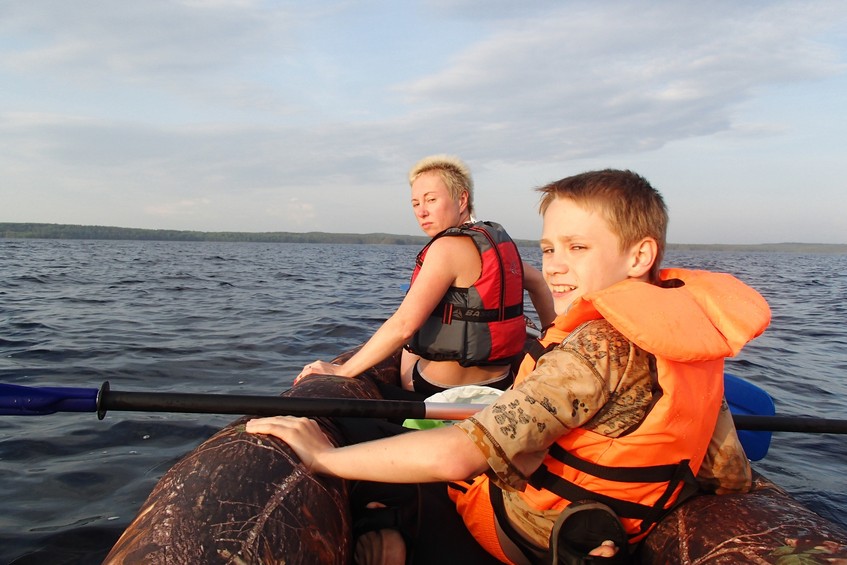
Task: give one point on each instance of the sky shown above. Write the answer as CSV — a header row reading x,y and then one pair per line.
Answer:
x,y
257,116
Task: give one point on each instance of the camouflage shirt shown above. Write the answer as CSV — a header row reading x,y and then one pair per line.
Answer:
x,y
598,380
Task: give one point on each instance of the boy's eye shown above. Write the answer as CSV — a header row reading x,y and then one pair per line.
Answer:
x,y
546,250
577,247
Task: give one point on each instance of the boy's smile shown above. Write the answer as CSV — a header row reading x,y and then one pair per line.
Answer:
x,y
580,253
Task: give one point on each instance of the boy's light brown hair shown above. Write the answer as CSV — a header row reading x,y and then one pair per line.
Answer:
x,y
453,172
631,206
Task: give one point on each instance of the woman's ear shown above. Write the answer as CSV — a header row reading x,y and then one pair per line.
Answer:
x,y
463,201
643,256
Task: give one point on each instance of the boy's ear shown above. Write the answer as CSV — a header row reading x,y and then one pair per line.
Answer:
x,y
643,256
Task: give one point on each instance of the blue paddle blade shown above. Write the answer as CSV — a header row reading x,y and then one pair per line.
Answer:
x,y
746,398
28,401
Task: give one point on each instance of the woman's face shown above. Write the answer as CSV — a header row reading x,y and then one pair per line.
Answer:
x,y
435,210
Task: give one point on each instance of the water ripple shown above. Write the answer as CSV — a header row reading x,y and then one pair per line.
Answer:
x,y
245,318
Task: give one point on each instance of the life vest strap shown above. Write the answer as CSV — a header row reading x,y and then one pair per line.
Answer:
x,y
683,476
449,312
530,551
535,349
646,474
648,514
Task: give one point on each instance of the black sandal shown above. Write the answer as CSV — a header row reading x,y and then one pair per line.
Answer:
x,y
583,526
400,510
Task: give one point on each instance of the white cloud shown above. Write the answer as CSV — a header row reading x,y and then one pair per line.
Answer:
x,y
258,106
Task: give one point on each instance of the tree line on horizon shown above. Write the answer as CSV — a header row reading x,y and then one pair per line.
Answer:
x,y
68,231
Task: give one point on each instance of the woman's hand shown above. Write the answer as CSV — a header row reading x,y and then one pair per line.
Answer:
x,y
319,368
303,435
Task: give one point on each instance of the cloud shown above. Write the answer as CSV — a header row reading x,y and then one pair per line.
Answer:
x,y
191,56
565,86
262,107
139,40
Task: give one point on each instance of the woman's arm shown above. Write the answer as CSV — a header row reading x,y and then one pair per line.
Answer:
x,y
449,261
539,294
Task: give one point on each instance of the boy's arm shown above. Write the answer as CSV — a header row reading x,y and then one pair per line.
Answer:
x,y
440,454
725,468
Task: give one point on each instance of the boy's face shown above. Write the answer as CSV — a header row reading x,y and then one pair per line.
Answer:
x,y
580,253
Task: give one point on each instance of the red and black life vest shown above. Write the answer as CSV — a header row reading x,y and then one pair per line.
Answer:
x,y
482,324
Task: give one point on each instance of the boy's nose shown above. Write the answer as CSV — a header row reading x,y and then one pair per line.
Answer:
x,y
554,267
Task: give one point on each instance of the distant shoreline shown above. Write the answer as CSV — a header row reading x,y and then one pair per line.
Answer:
x,y
69,231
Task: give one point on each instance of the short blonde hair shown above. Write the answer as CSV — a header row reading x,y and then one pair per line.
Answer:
x,y
453,172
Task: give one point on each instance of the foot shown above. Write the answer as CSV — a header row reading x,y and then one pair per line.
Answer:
x,y
383,547
380,547
605,549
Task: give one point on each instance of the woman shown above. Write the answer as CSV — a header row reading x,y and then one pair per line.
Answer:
x,y
462,318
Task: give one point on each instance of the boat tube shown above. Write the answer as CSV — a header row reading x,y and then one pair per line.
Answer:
x,y
244,498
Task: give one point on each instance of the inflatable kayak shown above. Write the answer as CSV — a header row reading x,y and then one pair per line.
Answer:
x,y
241,498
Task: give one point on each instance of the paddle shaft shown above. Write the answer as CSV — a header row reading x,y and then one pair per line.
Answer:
x,y
790,424
108,399
29,401
265,405
355,407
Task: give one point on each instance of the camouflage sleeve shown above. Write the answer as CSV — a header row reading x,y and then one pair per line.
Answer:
x,y
566,389
725,468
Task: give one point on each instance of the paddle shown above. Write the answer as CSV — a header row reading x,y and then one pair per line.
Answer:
x,y
19,400
34,401
744,399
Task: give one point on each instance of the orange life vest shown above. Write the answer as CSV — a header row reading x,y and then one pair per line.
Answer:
x,y
690,323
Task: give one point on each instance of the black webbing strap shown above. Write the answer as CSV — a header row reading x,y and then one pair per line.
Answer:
x,y
534,349
648,474
531,551
449,312
648,514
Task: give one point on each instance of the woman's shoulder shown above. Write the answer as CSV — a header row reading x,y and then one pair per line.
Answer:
x,y
456,257
449,246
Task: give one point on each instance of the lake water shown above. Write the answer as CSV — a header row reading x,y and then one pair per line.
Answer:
x,y
243,318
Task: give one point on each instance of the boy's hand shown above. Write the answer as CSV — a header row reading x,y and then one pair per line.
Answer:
x,y
303,435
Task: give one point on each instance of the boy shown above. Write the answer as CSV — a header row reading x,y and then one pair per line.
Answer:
x,y
623,408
